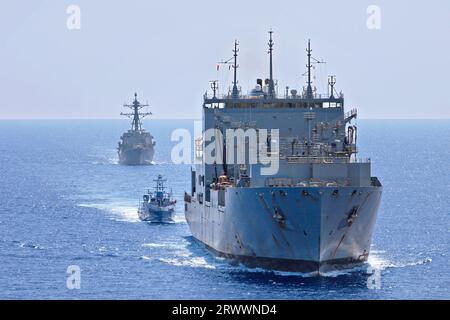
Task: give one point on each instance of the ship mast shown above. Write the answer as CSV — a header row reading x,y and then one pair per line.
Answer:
x,y
160,183
309,93
235,92
271,85
136,115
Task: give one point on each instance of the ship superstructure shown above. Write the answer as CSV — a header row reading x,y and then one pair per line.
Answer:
x,y
136,146
307,203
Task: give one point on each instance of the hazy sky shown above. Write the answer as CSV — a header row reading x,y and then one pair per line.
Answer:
x,y
168,50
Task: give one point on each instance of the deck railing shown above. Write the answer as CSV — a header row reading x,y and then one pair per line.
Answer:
x,y
209,96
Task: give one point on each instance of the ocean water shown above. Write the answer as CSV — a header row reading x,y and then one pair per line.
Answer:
x,y
65,201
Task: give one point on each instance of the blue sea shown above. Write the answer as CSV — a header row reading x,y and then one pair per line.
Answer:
x,y
65,201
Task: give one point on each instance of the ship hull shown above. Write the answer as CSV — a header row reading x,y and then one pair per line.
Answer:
x,y
136,156
156,215
288,265
312,229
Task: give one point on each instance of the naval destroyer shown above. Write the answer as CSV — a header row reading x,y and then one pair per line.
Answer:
x,y
136,146
308,204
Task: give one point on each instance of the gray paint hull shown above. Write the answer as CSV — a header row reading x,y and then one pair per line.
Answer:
x,y
136,156
312,229
157,216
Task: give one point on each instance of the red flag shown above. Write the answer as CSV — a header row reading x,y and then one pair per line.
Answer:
x,y
218,67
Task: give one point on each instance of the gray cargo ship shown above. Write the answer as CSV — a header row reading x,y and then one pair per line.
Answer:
x,y
136,146
315,211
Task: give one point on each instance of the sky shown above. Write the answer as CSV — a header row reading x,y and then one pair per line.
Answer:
x,y
167,51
